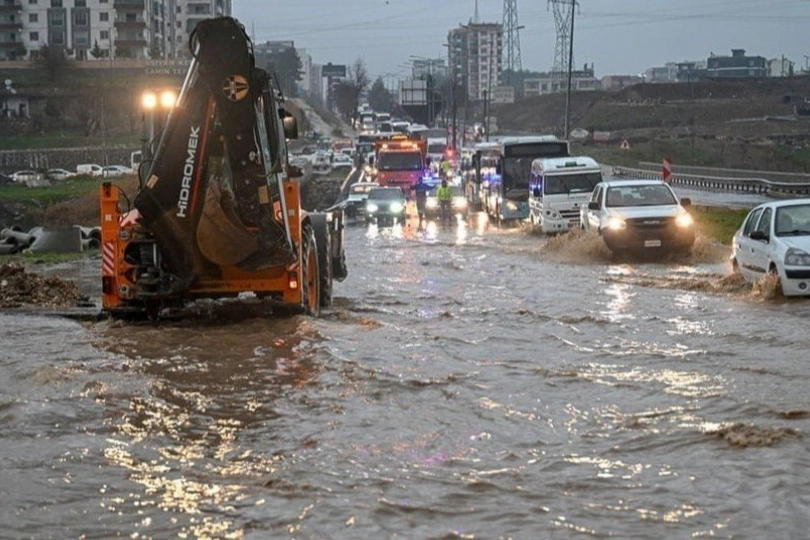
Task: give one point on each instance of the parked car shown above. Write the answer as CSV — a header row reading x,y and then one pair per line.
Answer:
x,y
58,174
774,238
355,203
26,176
113,171
458,206
385,205
639,216
89,168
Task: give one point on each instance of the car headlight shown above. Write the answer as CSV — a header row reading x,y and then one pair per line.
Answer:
x,y
511,206
396,207
616,224
797,257
684,220
553,214
371,207
431,203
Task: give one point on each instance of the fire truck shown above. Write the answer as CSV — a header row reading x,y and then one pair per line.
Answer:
x,y
399,162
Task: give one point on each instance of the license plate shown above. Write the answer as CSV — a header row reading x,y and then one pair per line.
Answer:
x,y
652,243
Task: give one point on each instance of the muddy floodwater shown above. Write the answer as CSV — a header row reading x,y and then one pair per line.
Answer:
x,y
468,382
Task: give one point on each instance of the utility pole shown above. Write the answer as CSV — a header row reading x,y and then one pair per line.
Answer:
x,y
570,70
486,115
511,49
563,9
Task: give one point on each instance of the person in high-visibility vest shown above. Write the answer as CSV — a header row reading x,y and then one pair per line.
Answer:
x,y
446,168
445,196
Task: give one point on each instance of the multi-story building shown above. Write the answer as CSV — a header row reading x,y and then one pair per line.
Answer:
x,y
547,83
100,29
781,67
474,56
738,65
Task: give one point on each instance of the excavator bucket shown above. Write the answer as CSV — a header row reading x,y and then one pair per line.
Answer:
x,y
221,237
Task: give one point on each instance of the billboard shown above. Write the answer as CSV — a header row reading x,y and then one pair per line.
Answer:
x,y
413,92
333,70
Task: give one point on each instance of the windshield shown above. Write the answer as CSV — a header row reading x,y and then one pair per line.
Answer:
x,y
387,194
571,183
792,220
516,172
400,161
436,148
639,195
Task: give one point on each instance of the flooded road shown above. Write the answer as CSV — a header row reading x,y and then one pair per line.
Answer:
x,y
469,382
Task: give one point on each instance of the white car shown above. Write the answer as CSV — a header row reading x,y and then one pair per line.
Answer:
x,y
113,171
59,174
342,161
775,238
355,203
639,216
26,176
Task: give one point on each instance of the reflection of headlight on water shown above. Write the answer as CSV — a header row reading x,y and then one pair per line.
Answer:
x,y
684,220
459,202
396,207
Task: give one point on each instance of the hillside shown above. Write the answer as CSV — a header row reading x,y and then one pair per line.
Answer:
x,y
746,124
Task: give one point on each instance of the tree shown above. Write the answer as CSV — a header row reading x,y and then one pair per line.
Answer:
x,y
346,93
54,61
288,68
96,51
379,97
155,52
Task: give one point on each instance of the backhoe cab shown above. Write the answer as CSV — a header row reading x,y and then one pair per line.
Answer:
x,y
218,211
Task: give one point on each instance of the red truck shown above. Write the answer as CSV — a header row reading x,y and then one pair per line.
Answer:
x,y
399,162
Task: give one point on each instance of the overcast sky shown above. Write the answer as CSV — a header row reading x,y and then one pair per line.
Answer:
x,y
617,36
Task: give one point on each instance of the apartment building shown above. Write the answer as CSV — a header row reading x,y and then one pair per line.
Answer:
x,y
102,29
474,57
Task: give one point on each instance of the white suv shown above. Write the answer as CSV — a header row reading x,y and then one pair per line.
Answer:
x,y
637,216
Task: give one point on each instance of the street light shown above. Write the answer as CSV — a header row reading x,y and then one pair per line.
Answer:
x,y
151,101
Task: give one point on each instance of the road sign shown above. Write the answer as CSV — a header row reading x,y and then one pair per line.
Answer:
x,y
666,170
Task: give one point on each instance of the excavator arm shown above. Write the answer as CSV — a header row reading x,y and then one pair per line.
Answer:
x,y
214,193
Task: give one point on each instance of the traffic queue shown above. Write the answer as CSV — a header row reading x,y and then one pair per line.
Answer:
x,y
531,181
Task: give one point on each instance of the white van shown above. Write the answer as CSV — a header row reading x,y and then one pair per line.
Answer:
x,y
558,187
89,168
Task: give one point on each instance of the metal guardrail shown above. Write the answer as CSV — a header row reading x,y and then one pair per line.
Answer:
x,y
723,183
772,176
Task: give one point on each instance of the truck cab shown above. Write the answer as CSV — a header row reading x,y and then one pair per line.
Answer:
x,y
558,188
399,162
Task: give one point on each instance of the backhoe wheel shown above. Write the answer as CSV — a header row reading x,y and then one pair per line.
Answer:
x,y
323,240
310,278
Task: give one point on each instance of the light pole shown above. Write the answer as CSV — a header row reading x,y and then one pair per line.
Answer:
x,y
151,101
486,115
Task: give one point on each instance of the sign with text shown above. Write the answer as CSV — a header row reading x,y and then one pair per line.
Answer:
x,y
171,68
333,70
